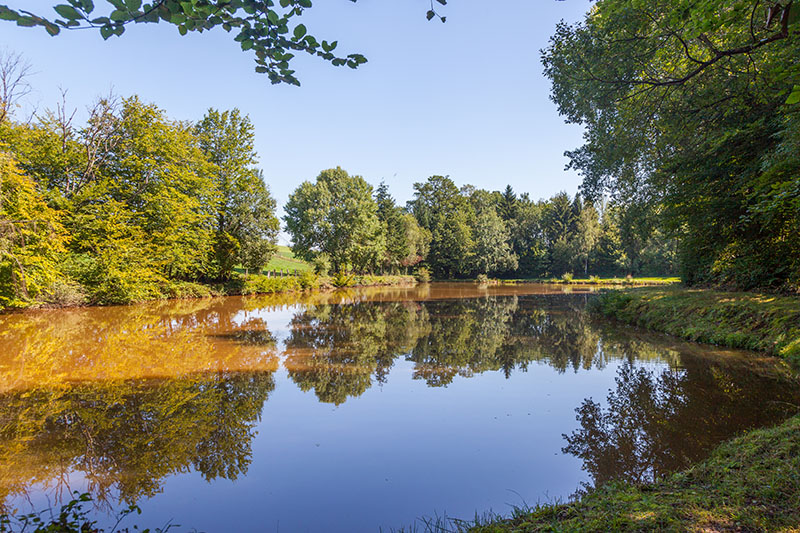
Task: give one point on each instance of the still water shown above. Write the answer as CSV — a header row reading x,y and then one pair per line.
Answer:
x,y
356,410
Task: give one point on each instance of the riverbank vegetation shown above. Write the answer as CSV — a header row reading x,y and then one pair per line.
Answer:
x,y
764,323
133,206
337,223
130,206
692,110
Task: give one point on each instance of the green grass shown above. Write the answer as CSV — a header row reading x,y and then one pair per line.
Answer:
x,y
595,280
284,259
759,322
749,484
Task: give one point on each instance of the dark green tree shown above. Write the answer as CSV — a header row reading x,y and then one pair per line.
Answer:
x,y
246,225
686,105
440,208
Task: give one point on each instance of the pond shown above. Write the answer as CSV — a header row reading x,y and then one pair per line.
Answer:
x,y
356,410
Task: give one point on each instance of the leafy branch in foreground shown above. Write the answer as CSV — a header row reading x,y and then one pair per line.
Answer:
x,y
269,28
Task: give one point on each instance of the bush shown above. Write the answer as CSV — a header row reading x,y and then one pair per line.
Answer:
x,y
567,277
321,264
112,280
343,279
308,280
423,275
594,280
265,285
64,293
186,289
483,279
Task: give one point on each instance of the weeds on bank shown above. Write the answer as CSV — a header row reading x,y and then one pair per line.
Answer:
x,y
764,323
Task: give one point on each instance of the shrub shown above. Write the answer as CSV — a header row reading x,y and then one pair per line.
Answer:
x,y
321,264
64,293
423,275
567,277
343,279
594,280
186,289
265,285
483,279
308,280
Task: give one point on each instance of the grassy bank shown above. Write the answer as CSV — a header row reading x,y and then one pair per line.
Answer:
x,y
596,280
749,484
764,323
75,296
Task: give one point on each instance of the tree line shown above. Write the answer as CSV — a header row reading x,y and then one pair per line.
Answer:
x,y
129,205
133,205
339,222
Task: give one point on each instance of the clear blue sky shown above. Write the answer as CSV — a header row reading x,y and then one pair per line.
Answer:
x,y
465,99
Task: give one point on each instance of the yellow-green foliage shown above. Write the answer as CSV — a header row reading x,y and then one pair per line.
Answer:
x,y
115,259
765,323
369,280
749,484
267,285
31,238
308,280
187,289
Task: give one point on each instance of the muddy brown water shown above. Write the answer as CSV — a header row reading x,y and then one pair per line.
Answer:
x,y
356,410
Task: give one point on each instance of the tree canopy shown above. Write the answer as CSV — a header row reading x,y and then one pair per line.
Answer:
x,y
337,217
128,207
690,111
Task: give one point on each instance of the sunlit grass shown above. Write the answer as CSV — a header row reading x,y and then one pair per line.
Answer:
x,y
764,323
749,484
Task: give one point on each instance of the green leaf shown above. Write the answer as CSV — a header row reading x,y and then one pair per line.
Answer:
x,y
794,97
8,14
133,5
794,14
68,12
299,31
52,29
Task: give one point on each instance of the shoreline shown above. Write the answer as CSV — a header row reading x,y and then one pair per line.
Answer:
x,y
765,323
242,286
750,483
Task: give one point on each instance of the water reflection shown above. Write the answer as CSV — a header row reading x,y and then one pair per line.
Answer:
x,y
655,423
127,397
125,437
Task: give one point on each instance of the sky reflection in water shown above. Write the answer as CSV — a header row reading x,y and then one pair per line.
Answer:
x,y
358,409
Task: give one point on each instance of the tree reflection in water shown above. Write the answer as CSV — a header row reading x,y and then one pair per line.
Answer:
x,y
128,396
656,423
127,436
